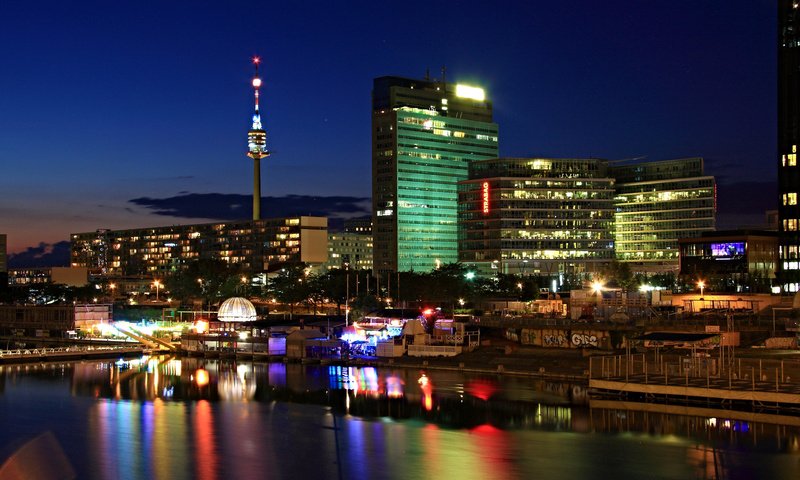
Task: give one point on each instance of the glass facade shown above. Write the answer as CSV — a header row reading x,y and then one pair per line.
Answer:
x,y
658,203
424,137
537,216
256,246
788,140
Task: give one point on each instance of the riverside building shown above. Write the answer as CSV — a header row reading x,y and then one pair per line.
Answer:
x,y
255,246
425,133
546,216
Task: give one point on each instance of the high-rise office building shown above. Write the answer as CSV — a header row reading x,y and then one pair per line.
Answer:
x,y
537,216
425,133
788,140
657,204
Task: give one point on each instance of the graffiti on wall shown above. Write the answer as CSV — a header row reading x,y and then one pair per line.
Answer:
x,y
554,340
528,336
562,338
582,340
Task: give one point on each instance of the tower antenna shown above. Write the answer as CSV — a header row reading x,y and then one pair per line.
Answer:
x,y
257,144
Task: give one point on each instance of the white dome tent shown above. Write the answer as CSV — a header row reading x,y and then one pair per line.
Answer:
x,y
236,309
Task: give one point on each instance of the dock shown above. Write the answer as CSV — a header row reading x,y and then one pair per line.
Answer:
x,y
765,382
26,355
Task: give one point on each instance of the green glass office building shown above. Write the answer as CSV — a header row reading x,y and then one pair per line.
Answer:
x,y
425,133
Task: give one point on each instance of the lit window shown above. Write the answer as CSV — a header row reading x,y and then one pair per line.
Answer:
x,y
792,198
791,225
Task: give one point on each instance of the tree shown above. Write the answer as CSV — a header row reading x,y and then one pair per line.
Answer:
x,y
333,285
619,274
207,279
288,286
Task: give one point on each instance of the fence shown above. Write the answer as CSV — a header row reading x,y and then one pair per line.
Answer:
x,y
698,371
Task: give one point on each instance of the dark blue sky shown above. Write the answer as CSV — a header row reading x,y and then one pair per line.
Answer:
x,y
105,102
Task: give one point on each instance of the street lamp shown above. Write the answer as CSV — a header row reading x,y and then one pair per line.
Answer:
x,y
347,295
158,285
701,285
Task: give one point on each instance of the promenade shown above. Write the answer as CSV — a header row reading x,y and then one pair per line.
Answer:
x,y
760,381
48,354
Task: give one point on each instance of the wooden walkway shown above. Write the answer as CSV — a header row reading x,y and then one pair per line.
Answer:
x,y
22,355
721,387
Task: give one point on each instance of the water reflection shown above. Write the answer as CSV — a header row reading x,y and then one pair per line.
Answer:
x,y
166,418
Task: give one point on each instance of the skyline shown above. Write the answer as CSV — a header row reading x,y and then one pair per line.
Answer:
x,y
166,94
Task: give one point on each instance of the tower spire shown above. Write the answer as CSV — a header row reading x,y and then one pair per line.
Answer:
x,y
257,144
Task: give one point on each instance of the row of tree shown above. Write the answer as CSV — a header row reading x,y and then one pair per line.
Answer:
x,y
451,286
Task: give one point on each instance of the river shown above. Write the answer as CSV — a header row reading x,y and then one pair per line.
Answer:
x,y
172,418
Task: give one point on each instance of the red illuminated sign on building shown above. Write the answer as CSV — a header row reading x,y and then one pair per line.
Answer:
x,y
485,197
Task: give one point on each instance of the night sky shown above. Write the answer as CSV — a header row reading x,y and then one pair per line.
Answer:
x,y
131,114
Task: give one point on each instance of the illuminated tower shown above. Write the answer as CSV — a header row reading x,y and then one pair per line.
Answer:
x,y
257,146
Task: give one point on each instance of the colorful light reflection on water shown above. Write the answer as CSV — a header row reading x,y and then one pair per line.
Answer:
x,y
287,420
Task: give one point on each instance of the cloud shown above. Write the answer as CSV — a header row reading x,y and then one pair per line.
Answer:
x,y
43,255
221,206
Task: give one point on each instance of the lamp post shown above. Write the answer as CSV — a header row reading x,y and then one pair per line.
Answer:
x,y
702,285
347,296
158,285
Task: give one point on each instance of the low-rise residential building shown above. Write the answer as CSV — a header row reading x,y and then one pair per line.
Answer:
x,y
254,245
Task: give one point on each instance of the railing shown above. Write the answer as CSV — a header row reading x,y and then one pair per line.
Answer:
x,y
41,352
764,375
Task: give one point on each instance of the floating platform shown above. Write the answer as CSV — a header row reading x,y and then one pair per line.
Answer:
x,y
699,379
26,355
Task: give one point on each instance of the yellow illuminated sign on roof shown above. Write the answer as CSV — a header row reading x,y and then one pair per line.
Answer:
x,y
466,91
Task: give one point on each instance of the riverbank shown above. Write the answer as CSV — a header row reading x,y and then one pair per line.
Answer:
x,y
509,358
499,358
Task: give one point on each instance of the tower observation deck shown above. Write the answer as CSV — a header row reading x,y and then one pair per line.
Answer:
x,y
257,145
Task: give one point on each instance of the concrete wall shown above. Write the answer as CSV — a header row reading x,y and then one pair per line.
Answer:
x,y
565,338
